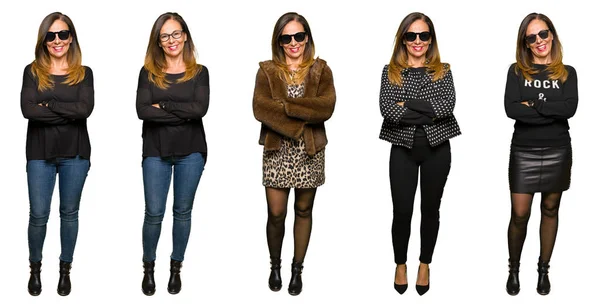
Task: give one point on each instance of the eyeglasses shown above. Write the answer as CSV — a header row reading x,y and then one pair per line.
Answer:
x,y
175,34
62,35
411,36
287,38
532,38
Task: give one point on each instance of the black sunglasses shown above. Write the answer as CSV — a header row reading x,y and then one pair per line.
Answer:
x,y
530,39
411,36
287,38
62,35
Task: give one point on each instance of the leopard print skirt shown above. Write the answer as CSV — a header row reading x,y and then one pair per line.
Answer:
x,y
292,167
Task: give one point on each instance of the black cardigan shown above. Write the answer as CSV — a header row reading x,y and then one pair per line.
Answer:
x,y
176,128
58,130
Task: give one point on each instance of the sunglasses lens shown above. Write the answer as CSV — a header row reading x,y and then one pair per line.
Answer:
x,y
530,39
285,39
50,36
425,36
300,36
543,34
63,35
410,36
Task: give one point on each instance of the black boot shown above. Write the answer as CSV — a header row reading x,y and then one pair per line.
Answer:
x,y
543,285
175,280
148,285
296,281
512,284
35,281
275,276
64,281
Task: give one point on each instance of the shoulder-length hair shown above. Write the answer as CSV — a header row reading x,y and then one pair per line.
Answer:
x,y
279,54
155,62
525,56
399,60
40,67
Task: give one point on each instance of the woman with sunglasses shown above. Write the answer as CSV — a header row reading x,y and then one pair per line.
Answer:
x,y
541,95
172,99
417,101
57,97
294,95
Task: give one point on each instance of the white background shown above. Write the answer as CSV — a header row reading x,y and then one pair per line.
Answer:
x,y
350,259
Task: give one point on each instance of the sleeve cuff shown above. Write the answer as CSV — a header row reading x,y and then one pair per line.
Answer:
x,y
163,105
50,104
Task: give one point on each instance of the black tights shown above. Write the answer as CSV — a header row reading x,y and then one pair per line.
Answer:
x,y
277,199
517,229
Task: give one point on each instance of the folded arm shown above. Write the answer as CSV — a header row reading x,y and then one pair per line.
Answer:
x,y
196,109
314,109
271,111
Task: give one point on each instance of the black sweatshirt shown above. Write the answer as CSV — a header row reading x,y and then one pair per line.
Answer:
x,y
544,124
176,128
58,130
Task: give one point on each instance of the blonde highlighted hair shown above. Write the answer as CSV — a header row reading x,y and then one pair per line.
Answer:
x,y
524,65
40,67
278,55
155,62
399,60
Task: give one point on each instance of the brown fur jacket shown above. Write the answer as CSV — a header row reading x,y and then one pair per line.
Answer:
x,y
293,117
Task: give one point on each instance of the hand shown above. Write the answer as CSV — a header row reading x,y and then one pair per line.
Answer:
x,y
526,103
156,106
401,104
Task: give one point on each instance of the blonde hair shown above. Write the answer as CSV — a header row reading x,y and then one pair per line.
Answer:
x,y
399,60
278,55
155,62
525,56
40,67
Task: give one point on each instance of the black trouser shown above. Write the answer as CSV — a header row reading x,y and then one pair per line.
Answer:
x,y
404,168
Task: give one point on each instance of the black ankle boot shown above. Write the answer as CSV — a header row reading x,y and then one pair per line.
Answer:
x,y
175,280
35,281
148,285
512,284
275,276
543,285
296,281
64,281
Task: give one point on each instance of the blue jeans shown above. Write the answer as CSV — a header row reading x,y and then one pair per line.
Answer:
x,y
157,179
41,177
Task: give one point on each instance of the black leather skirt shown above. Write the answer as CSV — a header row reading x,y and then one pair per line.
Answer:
x,y
539,169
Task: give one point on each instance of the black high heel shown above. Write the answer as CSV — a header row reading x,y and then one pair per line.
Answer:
x,y
543,285
35,281
423,289
401,288
512,284
275,276
295,286
148,284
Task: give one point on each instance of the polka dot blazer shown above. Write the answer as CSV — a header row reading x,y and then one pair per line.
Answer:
x,y
427,103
